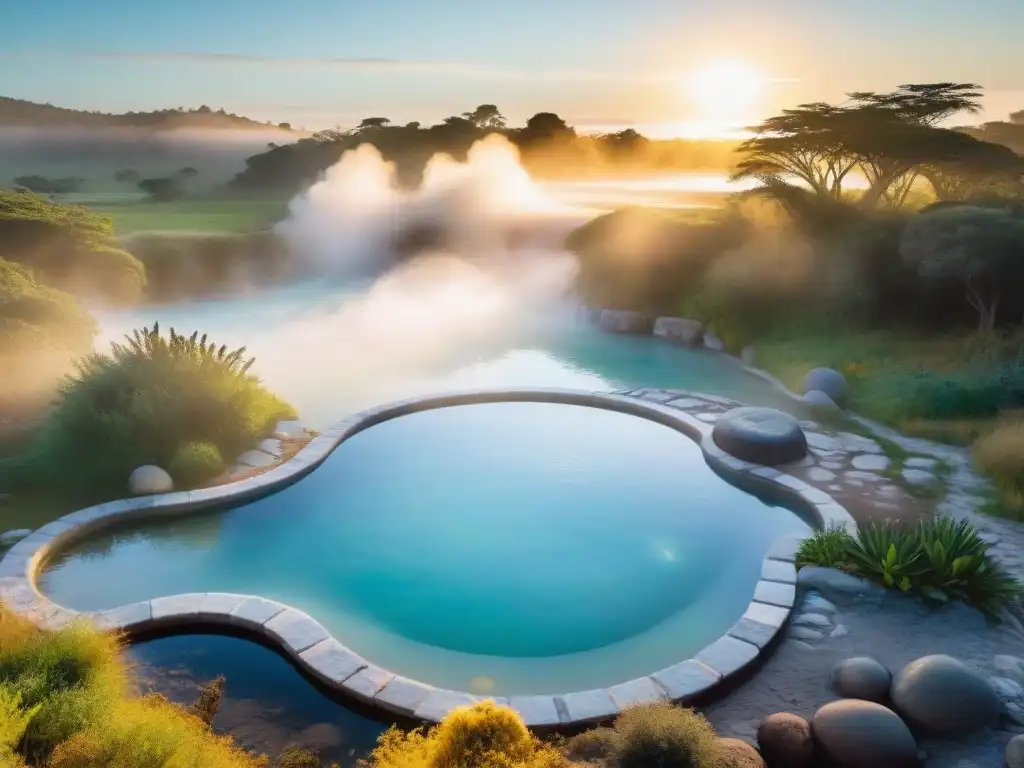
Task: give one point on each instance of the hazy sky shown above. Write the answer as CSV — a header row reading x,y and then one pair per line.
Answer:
x,y
325,62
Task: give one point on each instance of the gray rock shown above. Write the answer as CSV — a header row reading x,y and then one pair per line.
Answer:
x,y
786,741
680,330
288,428
806,633
712,342
818,400
815,603
14,536
256,459
919,477
800,645
920,462
871,462
1009,666
863,734
812,620
824,443
1015,752
828,381
1007,690
943,695
861,678
748,356
760,435
832,582
624,321
819,475
861,476
149,479
858,443
841,630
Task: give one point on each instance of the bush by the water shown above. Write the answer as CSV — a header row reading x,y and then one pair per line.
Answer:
x,y
485,735
194,463
940,559
665,736
68,247
139,404
1000,455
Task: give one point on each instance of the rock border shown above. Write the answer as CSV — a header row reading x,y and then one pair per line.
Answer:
x,y
311,647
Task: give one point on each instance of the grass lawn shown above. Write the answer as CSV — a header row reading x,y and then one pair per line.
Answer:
x,y
212,215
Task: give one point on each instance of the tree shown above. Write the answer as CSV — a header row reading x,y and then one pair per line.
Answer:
x,y
370,123
1017,118
983,248
926,103
285,126
974,168
188,172
626,142
808,143
546,127
486,116
162,190
126,176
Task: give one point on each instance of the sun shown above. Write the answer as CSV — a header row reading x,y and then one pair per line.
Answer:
x,y
726,88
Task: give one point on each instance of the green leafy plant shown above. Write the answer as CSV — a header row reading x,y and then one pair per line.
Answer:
x,y
889,554
194,463
829,548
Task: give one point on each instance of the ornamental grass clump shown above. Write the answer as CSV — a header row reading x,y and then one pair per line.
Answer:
x,y
663,736
940,559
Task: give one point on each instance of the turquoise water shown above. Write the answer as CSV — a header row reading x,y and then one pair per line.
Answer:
x,y
501,548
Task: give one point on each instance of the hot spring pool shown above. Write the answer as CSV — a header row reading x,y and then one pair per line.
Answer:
x,y
497,548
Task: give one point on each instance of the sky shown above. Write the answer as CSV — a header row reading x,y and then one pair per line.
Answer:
x,y
319,63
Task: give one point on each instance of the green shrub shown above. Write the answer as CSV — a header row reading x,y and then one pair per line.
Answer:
x,y
195,463
940,559
140,403
69,247
207,705
663,736
14,719
150,732
484,735
72,678
299,757
828,548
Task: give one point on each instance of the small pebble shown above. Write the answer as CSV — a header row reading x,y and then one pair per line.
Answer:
x,y
841,630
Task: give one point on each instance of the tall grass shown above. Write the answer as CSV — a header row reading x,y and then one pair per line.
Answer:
x,y
1000,454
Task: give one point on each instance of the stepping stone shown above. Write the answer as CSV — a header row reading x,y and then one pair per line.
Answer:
x,y
271,446
806,633
858,444
871,462
824,442
841,630
289,428
812,620
819,475
868,477
256,459
815,603
919,477
920,462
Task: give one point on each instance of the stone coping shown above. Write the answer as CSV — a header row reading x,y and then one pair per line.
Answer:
x,y
311,647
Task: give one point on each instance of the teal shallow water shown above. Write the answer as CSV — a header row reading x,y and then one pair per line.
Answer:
x,y
501,548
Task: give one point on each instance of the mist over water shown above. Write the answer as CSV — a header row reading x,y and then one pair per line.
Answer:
x,y
460,283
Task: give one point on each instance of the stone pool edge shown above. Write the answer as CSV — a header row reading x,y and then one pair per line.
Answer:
x,y
314,650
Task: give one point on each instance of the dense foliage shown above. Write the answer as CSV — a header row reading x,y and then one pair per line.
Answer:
x,y
194,463
41,331
68,247
140,404
940,559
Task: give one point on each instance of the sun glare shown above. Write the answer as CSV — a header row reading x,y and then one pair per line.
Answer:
x,y
726,89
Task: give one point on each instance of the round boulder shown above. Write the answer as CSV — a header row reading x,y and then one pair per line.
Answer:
x,y
827,380
861,734
862,678
760,435
734,753
819,401
941,694
149,479
624,321
1015,752
786,741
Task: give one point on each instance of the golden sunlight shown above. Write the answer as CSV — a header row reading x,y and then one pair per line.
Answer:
x,y
726,88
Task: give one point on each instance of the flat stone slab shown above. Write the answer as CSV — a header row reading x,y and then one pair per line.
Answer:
x,y
871,462
289,428
256,610
775,593
754,632
124,617
271,446
220,604
536,710
785,548
365,683
177,606
858,443
687,679
728,655
588,706
14,536
256,459
778,570
402,695
331,661
642,690
760,436
441,702
295,629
